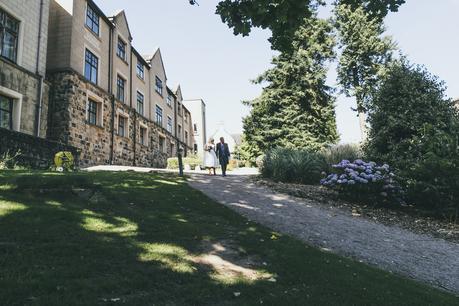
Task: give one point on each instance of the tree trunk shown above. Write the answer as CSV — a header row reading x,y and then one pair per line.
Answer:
x,y
363,126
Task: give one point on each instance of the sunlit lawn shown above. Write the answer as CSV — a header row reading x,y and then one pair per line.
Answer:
x,y
146,239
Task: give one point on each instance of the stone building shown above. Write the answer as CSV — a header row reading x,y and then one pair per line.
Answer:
x,y
105,98
197,109
23,45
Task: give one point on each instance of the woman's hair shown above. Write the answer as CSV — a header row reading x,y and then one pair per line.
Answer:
x,y
211,139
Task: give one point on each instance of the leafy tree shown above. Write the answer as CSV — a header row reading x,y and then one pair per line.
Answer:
x,y
416,129
284,17
365,54
296,108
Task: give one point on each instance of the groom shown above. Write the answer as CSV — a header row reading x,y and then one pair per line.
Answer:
x,y
223,154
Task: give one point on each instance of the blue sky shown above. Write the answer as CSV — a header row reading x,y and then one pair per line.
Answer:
x,y
209,62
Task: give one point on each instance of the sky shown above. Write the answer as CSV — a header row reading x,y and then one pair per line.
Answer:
x,y
202,55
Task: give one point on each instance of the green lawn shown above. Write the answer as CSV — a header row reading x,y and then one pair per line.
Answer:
x,y
147,239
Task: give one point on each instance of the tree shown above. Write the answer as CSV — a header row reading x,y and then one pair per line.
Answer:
x,y
414,128
284,17
296,108
365,54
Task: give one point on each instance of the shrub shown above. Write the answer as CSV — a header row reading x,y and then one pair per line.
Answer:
x,y
8,160
293,166
365,182
192,161
415,128
335,154
233,164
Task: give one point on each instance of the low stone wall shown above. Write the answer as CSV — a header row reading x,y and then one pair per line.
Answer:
x,y
37,153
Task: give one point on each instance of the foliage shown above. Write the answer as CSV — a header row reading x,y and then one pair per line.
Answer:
x,y
293,166
233,164
192,160
365,182
364,54
334,154
296,108
284,17
416,129
64,161
9,160
141,242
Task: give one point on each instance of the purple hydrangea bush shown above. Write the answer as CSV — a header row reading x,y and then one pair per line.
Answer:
x,y
364,181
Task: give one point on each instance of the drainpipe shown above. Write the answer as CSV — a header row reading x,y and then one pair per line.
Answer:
x,y
135,109
112,97
40,77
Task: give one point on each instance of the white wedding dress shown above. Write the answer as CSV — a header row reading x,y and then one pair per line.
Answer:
x,y
210,158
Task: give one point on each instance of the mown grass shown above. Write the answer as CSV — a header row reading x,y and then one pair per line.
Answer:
x,y
133,239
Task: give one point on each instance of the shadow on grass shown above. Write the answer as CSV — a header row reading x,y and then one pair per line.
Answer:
x,y
142,239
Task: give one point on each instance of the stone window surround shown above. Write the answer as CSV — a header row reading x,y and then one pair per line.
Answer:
x,y
141,77
99,60
86,16
121,113
162,140
127,46
17,106
21,34
145,127
100,107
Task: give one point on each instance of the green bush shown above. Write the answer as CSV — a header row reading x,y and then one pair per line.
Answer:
x,y
193,161
415,129
9,160
233,164
335,154
293,166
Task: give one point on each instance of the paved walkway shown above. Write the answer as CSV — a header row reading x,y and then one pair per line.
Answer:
x,y
431,260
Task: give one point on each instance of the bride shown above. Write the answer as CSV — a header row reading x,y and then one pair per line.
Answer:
x,y
210,158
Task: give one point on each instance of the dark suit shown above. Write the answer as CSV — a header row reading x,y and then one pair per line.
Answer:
x,y
223,154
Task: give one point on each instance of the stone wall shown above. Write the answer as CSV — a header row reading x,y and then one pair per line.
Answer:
x,y
25,83
68,117
68,124
37,153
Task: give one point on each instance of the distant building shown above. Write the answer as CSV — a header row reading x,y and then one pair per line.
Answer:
x,y
457,103
229,138
197,110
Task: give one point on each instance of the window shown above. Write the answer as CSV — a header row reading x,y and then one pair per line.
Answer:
x,y
159,86
195,148
120,84
186,137
143,136
186,117
195,127
6,112
92,112
169,124
91,67
140,69
169,100
9,36
172,149
122,126
162,140
92,20
140,99
121,49
159,115
179,109
179,132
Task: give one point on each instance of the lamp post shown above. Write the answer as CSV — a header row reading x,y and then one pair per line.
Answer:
x,y
180,161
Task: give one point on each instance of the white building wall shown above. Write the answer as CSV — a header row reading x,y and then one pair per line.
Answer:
x,y
28,13
197,109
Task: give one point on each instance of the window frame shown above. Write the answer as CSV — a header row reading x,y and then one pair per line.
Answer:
x,y
141,111
169,100
159,115
143,136
121,53
8,111
140,72
120,89
93,112
123,119
15,33
91,18
159,86
169,124
93,64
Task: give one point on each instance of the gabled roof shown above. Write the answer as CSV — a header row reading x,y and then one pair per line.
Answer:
x,y
178,92
157,54
121,14
140,57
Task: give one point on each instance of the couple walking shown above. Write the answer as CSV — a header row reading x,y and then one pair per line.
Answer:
x,y
215,155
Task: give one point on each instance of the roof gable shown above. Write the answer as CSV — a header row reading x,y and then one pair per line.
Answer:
x,y
178,93
120,20
157,58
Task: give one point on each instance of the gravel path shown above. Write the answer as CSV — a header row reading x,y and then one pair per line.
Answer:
x,y
421,257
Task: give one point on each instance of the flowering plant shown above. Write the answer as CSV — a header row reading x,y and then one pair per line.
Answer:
x,y
364,181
